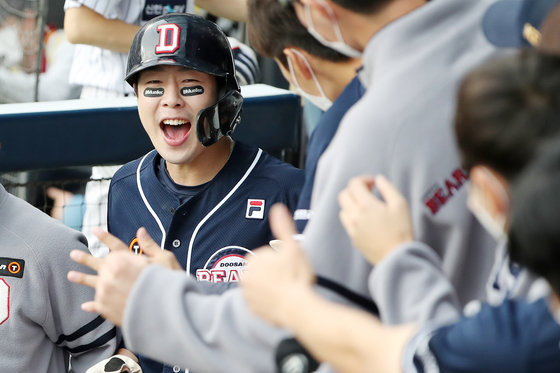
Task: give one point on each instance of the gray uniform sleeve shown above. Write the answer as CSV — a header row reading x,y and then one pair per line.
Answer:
x,y
46,323
88,337
395,281
197,331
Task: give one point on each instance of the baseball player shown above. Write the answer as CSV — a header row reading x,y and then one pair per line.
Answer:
x,y
103,31
199,193
41,322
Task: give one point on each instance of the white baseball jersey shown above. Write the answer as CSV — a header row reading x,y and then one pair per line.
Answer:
x,y
102,69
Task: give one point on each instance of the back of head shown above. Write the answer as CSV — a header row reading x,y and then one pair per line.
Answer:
x,y
273,26
362,6
192,42
506,107
534,234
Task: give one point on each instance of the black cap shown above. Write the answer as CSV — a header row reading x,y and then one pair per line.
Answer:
x,y
181,39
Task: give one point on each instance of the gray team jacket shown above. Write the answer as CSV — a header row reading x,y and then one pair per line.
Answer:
x,y
41,322
403,128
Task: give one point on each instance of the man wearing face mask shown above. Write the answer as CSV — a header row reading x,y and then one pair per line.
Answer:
x,y
518,96
326,77
401,128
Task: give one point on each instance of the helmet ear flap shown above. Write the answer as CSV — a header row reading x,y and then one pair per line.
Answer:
x,y
219,119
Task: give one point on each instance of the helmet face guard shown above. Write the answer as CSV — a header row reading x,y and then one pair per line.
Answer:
x,y
219,119
190,41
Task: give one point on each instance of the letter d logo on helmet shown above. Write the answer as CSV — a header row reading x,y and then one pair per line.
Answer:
x,y
195,43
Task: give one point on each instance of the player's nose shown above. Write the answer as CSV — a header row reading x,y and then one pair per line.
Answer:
x,y
172,96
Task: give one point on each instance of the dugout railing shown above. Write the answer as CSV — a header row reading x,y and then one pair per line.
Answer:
x,y
60,135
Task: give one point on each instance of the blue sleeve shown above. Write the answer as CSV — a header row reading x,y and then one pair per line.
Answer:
x,y
514,337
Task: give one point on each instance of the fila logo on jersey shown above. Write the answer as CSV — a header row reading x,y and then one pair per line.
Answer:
x,y
255,209
439,196
225,265
11,267
168,38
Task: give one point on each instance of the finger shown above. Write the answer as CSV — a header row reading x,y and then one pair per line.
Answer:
x,y
86,259
346,200
147,244
89,307
281,223
388,191
82,278
112,242
346,222
360,189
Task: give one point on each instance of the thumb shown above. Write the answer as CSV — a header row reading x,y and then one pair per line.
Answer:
x,y
281,223
387,190
147,243
112,242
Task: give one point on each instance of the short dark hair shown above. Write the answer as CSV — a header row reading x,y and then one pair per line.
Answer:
x,y
505,108
273,26
362,6
534,238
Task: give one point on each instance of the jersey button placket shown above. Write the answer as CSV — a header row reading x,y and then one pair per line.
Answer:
x,y
176,243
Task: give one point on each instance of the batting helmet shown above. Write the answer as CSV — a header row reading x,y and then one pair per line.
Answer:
x,y
195,43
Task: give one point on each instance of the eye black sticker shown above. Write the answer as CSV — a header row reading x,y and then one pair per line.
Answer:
x,y
192,91
153,92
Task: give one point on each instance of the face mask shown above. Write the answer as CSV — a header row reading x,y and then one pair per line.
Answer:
x,y
340,46
322,102
474,202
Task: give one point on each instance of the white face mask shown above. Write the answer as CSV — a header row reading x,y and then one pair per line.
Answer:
x,y
339,45
474,202
322,102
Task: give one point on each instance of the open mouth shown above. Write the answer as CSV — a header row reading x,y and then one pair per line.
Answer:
x,y
175,131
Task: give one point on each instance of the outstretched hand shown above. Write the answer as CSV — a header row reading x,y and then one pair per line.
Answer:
x,y
274,279
117,272
375,226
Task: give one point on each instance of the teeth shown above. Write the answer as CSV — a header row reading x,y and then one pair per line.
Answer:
x,y
174,122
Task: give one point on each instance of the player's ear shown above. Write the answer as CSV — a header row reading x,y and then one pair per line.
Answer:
x,y
135,87
321,8
494,190
298,61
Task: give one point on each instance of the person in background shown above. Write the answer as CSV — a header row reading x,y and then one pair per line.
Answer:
x,y
322,75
